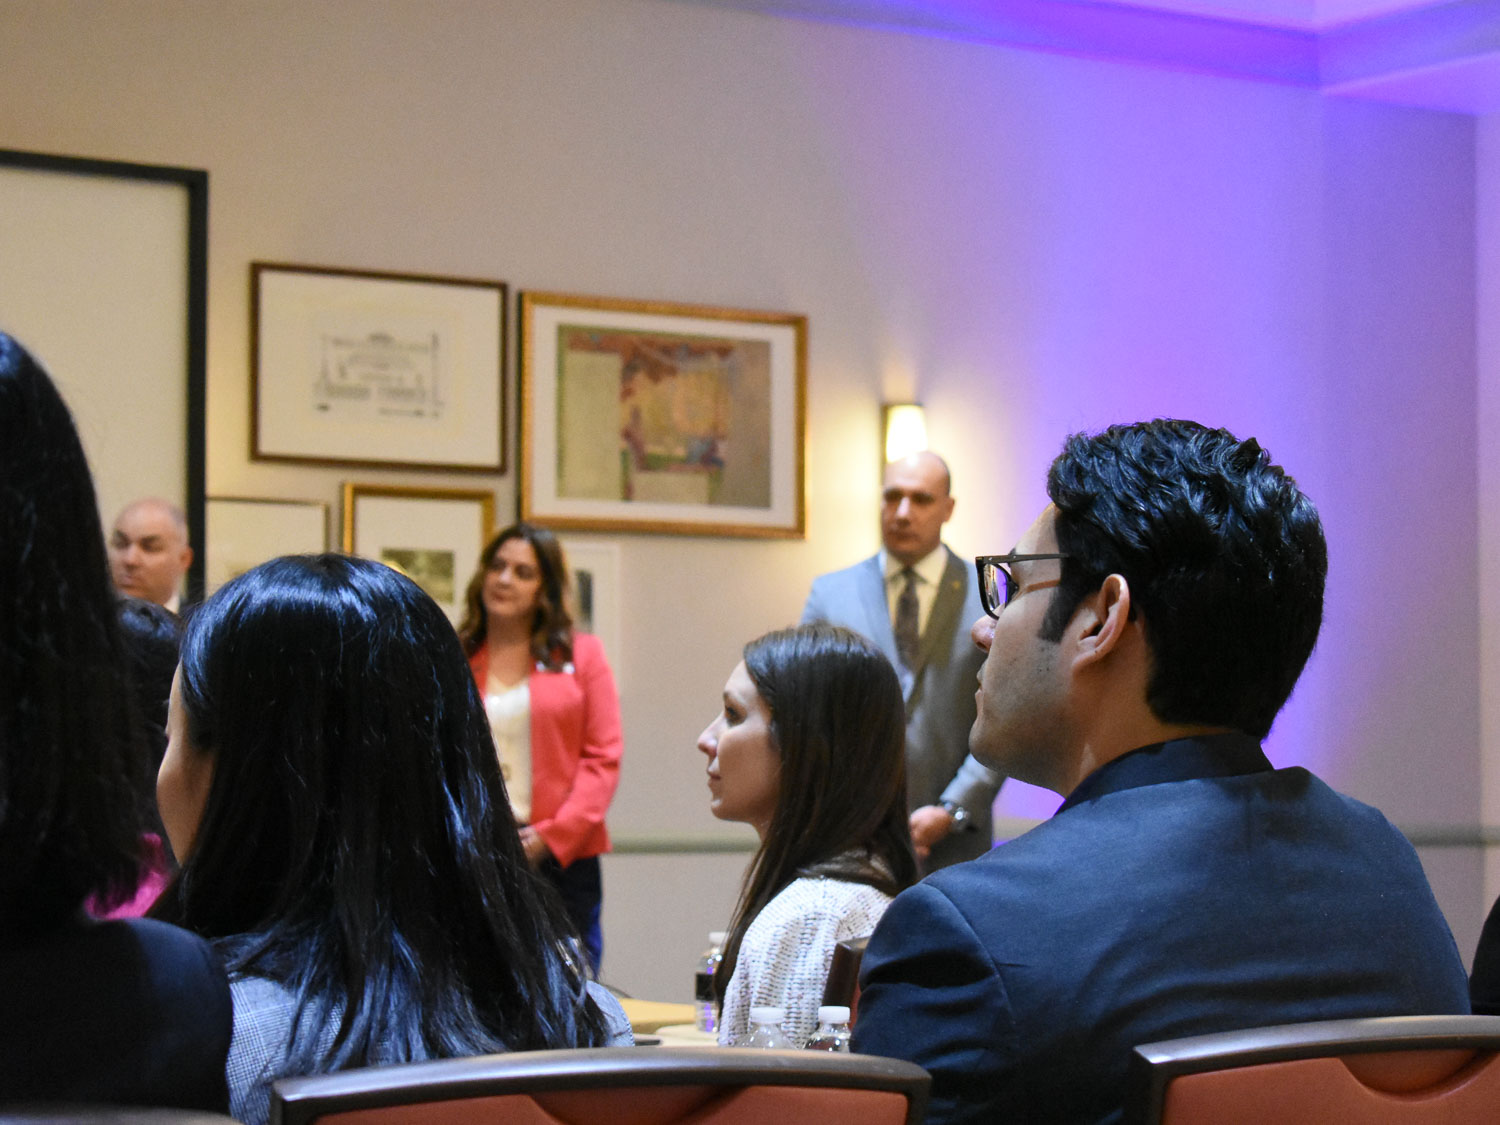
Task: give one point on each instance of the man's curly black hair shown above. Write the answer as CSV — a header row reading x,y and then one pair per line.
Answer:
x,y
1224,556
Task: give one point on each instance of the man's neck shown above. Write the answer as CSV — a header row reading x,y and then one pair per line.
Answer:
x,y
1101,748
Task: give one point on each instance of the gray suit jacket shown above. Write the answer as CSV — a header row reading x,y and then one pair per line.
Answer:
x,y
939,692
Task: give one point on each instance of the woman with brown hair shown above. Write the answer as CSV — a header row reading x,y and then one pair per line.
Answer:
x,y
809,750
553,711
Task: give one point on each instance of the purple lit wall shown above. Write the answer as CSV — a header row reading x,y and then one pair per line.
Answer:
x,y
1056,244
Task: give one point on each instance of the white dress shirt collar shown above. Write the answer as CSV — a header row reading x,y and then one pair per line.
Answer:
x,y
929,568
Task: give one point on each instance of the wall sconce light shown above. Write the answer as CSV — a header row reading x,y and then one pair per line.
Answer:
x,y
905,429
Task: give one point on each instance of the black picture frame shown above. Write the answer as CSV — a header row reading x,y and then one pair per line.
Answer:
x,y
193,184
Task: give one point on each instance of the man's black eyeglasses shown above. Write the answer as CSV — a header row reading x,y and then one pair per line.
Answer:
x,y
996,583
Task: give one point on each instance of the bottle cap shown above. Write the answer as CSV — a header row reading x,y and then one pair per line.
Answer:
x,y
833,1013
718,937
767,1015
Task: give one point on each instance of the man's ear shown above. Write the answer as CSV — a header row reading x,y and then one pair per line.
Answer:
x,y
1101,620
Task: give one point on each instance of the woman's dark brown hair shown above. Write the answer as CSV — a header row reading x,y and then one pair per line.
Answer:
x,y
552,625
839,724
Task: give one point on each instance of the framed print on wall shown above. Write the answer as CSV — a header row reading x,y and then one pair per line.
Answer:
x,y
594,570
245,531
387,370
432,535
655,417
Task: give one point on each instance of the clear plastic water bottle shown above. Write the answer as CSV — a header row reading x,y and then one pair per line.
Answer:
x,y
833,1029
707,1014
765,1029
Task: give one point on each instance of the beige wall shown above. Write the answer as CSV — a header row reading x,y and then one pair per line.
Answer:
x,y
1033,244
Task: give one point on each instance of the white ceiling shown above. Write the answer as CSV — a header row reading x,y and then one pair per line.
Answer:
x,y
1436,54
1307,15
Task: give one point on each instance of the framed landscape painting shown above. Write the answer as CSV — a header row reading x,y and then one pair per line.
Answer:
x,y
655,417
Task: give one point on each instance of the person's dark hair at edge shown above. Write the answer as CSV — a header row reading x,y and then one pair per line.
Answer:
x,y
150,636
1224,556
356,833
70,769
838,721
552,625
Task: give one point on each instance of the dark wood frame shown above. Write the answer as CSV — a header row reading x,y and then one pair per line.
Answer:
x,y
502,290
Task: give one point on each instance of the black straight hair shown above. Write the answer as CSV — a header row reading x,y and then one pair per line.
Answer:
x,y
150,636
356,843
71,770
838,722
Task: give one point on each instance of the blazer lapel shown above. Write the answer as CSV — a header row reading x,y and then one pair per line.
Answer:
x,y
875,607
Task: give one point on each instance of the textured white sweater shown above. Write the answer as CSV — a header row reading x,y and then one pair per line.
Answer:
x,y
788,948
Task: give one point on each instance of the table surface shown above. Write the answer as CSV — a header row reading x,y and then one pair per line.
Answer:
x,y
646,1016
685,1035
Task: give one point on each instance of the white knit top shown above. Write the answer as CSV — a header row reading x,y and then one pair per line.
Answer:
x,y
788,949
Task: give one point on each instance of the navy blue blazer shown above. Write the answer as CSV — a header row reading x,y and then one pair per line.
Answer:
x,y
1182,889
131,1013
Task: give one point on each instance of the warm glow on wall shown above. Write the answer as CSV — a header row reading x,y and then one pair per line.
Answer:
x,y
905,430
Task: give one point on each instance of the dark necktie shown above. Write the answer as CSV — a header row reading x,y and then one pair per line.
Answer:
x,y
906,619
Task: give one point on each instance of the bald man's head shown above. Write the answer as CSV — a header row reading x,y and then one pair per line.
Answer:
x,y
914,506
148,550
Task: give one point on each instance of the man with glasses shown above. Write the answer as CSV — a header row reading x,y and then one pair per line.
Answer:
x,y
1139,642
914,600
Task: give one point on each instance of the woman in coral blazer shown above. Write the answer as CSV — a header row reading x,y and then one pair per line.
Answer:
x,y
554,712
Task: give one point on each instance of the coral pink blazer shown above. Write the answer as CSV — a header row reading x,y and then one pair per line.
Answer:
x,y
575,748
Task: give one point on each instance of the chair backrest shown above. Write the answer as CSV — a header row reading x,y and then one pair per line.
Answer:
x,y
843,975
620,1085
1399,1070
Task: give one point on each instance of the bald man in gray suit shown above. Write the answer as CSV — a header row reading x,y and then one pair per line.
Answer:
x,y
916,600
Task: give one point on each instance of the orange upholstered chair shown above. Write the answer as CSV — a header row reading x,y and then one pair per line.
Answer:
x,y
618,1085
1404,1070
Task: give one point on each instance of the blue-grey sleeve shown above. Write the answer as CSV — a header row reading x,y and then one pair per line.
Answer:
x,y
617,1032
930,993
974,785
813,609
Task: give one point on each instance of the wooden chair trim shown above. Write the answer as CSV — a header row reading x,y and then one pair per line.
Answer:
x,y
299,1101
1154,1065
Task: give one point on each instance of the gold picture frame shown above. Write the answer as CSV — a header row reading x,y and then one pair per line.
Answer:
x,y
432,535
663,418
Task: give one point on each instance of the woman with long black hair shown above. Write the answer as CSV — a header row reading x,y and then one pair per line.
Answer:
x,y
127,1012
331,790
